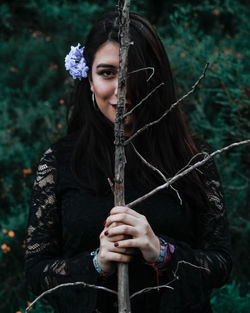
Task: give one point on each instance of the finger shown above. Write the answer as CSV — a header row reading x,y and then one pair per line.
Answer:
x,y
117,238
119,257
114,224
122,218
127,251
129,243
121,230
124,209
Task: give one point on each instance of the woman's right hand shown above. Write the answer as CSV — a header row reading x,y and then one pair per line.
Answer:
x,y
108,254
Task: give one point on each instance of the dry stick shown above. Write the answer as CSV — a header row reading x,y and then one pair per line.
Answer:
x,y
143,69
167,284
110,290
120,159
185,172
192,90
156,170
79,283
145,98
148,164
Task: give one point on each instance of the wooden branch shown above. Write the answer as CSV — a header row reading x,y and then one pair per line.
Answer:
x,y
148,164
192,90
79,283
144,99
176,277
143,69
120,160
156,170
186,171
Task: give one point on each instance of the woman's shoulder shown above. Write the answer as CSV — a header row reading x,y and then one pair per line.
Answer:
x,y
58,152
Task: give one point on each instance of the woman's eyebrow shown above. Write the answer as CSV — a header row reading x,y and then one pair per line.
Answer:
x,y
105,65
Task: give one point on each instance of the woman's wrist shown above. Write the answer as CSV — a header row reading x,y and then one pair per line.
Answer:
x,y
165,254
97,265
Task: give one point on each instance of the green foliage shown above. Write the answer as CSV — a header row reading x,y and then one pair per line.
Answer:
x,y
35,88
228,299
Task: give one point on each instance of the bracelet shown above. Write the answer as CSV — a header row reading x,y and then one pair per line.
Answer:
x,y
96,265
166,251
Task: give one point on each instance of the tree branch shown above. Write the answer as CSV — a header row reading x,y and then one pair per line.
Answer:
x,y
143,69
120,159
194,87
167,284
145,98
79,283
186,171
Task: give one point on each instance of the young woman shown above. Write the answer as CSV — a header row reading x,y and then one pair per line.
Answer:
x,y
74,234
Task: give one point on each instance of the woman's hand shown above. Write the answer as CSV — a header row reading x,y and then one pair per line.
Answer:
x,y
109,254
137,227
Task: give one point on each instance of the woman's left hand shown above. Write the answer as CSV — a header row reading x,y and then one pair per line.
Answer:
x,y
137,226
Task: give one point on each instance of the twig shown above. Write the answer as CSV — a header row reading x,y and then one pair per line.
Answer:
x,y
147,289
145,98
111,184
174,279
79,283
156,170
143,69
192,90
185,172
148,164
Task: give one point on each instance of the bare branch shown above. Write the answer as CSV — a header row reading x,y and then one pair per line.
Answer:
x,y
192,90
188,164
185,172
177,192
148,164
143,69
111,184
167,284
145,98
120,159
151,288
156,170
79,283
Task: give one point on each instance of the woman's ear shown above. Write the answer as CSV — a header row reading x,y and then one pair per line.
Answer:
x,y
91,83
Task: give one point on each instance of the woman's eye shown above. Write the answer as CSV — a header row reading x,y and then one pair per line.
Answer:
x,y
106,73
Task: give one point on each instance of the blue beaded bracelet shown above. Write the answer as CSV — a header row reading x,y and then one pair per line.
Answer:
x,y
96,265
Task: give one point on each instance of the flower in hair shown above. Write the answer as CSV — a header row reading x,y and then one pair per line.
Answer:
x,y
75,63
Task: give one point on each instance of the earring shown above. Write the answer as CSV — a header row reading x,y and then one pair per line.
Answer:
x,y
94,102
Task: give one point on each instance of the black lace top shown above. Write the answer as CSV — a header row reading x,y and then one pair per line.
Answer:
x,y
64,226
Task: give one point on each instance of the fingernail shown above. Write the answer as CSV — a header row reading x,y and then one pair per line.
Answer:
x,y
116,244
106,233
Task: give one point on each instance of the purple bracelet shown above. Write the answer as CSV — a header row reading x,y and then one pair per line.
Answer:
x,y
166,250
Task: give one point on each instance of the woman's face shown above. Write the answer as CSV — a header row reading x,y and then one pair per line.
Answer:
x,y
104,80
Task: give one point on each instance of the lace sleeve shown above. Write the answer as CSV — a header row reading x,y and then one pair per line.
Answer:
x,y
214,250
45,265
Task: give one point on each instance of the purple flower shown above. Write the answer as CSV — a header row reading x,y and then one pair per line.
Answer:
x,y
75,63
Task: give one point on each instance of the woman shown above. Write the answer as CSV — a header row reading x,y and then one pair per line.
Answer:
x,y
74,235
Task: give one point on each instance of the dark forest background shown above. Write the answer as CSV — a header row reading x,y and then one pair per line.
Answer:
x,y
34,95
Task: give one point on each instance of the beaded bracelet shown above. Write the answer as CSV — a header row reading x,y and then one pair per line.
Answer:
x,y
97,266
166,251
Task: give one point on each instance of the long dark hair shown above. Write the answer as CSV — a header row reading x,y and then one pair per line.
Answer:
x,y
168,145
